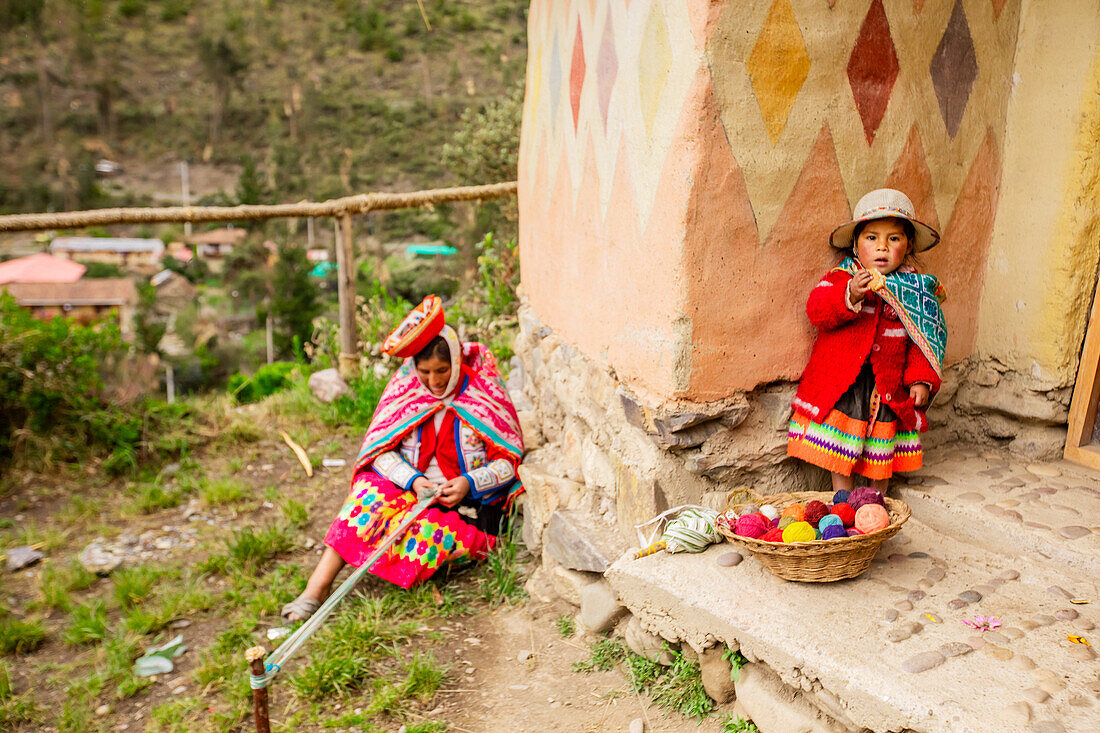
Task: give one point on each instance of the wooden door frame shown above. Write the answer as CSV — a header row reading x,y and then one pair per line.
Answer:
x,y
1086,397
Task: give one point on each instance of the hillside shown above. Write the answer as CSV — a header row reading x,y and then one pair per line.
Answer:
x,y
318,99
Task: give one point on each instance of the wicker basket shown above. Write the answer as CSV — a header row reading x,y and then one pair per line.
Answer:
x,y
820,561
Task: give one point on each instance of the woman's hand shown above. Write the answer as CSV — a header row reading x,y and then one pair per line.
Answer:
x,y
423,488
920,394
454,491
859,286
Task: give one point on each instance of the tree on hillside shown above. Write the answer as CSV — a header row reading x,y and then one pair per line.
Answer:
x,y
294,303
224,65
14,13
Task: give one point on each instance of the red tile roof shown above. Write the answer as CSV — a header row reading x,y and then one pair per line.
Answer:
x,y
40,268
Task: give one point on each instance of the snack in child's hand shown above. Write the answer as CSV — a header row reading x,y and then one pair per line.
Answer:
x,y
878,280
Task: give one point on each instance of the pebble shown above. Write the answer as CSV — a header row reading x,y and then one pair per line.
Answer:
x,y
1047,491
1036,695
1009,575
896,557
919,555
1052,686
935,574
1012,515
1082,653
975,642
1012,483
891,615
1058,590
1074,532
180,623
970,596
932,618
972,496
1048,726
1018,711
1024,662
1029,625
995,636
1083,624
21,557
915,627
916,595
524,655
1066,614
956,604
899,634
955,649
637,726
985,590
1080,701
730,559
1012,632
923,662
1044,470
999,652
903,606
180,690
103,710
1045,620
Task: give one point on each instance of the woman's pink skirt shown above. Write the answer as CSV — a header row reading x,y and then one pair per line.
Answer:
x,y
375,507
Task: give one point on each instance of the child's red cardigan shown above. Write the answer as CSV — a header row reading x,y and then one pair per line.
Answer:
x,y
846,340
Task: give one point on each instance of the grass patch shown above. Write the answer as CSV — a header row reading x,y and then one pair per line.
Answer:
x,y
147,498
87,623
678,688
81,509
175,716
501,579
58,582
565,625
14,709
168,602
736,724
603,656
222,491
250,550
134,585
19,637
294,514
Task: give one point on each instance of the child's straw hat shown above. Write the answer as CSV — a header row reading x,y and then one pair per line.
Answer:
x,y
881,204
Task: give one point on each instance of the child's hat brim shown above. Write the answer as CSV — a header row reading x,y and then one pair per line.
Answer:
x,y
885,203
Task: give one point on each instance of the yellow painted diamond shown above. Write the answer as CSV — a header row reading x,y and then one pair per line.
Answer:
x,y
778,66
653,64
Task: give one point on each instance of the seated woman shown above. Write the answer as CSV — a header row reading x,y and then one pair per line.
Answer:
x,y
444,424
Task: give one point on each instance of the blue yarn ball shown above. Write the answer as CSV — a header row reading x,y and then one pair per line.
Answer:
x,y
833,532
841,497
830,520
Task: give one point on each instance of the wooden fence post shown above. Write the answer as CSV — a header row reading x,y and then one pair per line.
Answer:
x,y
260,714
345,279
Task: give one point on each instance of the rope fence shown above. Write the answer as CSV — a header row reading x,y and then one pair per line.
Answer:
x,y
346,206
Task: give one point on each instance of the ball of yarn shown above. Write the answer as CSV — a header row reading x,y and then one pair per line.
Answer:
x,y
829,520
775,534
785,522
751,525
846,514
769,511
833,531
841,497
871,517
815,510
750,508
853,532
865,495
795,510
799,532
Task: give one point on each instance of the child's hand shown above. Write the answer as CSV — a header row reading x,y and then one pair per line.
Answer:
x,y
859,285
920,394
423,487
454,491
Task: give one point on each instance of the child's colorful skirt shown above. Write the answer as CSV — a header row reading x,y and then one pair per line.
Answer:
x,y
375,507
848,441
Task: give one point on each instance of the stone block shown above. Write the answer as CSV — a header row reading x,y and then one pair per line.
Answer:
x,y
539,586
775,707
1013,399
596,466
532,431
579,542
569,584
600,607
646,644
716,675
638,498
520,400
1039,442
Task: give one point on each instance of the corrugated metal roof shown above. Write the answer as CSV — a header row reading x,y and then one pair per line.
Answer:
x,y
40,268
106,244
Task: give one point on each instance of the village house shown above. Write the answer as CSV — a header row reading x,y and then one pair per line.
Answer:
x,y
83,300
137,255
40,268
215,245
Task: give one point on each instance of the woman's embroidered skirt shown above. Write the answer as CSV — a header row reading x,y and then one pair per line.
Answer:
x,y
848,441
375,507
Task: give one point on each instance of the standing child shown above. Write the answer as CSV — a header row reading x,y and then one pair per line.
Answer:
x,y
878,357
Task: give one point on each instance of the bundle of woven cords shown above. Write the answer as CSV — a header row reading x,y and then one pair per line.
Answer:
x,y
693,530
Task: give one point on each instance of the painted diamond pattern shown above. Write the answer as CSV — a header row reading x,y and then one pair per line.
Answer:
x,y
607,68
653,64
555,81
954,69
873,69
778,66
998,6
576,75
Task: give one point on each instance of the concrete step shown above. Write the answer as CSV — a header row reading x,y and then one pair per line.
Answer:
x,y
1051,510
855,648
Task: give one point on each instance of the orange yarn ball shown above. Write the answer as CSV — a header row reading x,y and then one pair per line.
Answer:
x,y
797,511
872,517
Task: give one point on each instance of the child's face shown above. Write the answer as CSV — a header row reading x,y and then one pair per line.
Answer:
x,y
882,245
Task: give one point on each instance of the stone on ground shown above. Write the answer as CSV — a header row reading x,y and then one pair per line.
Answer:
x,y
327,385
716,671
600,607
21,557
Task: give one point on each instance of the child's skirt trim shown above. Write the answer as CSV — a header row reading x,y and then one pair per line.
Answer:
x,y
841,444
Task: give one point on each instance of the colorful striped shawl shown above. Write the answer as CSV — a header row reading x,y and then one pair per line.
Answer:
x,y
482,403
916,298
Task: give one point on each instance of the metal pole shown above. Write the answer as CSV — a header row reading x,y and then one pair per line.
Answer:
x,y
185,186
345,279
170,382
255,657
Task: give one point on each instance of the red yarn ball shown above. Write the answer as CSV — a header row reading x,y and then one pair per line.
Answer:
x,y
846,513
865,495
815,510
751,525
775,534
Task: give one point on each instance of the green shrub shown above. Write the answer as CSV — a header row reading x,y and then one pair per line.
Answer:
x,y
267,380
88,623
18,636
